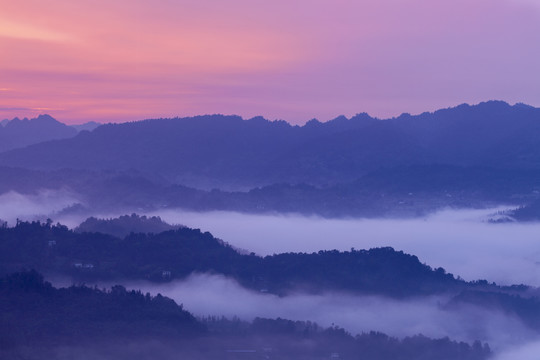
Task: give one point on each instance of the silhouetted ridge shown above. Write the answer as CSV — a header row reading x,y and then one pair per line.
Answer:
x,y
41,313
19,133
228,152
125,225
88,126
179,253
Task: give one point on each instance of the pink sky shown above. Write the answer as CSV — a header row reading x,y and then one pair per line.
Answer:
x,y
294,60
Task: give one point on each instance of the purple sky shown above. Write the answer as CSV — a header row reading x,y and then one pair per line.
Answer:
x,y
134,59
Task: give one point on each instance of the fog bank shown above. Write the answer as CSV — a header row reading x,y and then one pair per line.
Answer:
x,y
42,205
211,295
527,351
461,241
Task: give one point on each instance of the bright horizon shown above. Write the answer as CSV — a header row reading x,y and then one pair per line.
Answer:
x,y
299,123
131,60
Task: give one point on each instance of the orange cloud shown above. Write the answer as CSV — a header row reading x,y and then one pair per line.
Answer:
x,y
17,30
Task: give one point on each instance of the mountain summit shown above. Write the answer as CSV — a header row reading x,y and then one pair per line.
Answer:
x,y
19,133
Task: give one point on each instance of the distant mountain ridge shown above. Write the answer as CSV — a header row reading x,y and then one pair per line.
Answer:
x,y
19,133
87,126
402,191
227,152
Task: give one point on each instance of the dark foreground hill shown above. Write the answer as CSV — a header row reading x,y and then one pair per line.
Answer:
x,y
40,321
230,153
86,312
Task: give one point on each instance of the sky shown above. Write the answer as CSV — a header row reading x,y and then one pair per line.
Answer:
x,y
125,60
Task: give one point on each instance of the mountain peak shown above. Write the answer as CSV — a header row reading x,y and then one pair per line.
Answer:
x,y
362,117
87,126
312,123
45,118
493,104
521,105
340,118
20,133
258,119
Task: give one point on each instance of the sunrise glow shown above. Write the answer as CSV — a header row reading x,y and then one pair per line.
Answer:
x,y
129,60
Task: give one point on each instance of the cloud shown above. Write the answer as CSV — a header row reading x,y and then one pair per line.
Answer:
x,y
21,30
25,109
6,108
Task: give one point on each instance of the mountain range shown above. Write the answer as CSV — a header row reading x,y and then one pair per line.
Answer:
x,y
466,156
228,152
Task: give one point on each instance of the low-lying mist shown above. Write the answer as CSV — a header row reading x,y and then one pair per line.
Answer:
x,y
211,295
41,205
461,241
526,351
